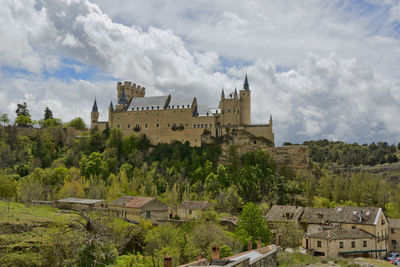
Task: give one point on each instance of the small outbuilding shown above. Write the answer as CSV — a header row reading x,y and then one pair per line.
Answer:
x,y
137,208
80,203
191,209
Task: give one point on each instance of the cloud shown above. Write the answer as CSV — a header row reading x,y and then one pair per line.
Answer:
x,y
323,70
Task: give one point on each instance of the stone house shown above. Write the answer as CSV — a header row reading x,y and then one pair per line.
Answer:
x,y
80,203
137,208
260,257
316,220
341,242
394,235
191,209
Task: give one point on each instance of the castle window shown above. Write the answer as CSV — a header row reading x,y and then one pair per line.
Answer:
x,y
188,106
229,110
142,108
202,126
152,108
146,125
147,108
169,125
187,125
195,140
205,125
198,125
177,106
172,106
133,109
169,106
118,126
157,125
129,126
137,108
210,125
158,107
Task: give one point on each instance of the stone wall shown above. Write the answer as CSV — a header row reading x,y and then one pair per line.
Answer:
x,y
296,158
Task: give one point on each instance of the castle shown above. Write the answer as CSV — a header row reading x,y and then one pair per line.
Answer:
x,y
164,119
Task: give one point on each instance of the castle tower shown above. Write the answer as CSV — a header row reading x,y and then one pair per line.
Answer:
x,y
245,103
94,115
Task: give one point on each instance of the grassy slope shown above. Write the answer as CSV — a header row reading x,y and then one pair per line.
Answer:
x,y
22,229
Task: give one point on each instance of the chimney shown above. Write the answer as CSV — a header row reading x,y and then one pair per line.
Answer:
x,y
249,245
167,261
200,256
259,243
215,253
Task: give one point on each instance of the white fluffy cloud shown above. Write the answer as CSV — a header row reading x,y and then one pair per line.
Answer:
x,y
323,70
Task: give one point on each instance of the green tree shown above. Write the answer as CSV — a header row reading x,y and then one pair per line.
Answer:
x,y
4,119
8,188
252,226
288,235
48,114
77,123
23,121
22,109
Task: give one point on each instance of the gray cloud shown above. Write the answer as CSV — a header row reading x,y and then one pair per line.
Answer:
x,y
352,94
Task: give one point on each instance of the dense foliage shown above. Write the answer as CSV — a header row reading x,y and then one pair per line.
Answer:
x,y
324,151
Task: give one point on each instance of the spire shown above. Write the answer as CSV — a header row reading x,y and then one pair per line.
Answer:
x,y
246,84
94,108
223,93
235,91
111,105
122,98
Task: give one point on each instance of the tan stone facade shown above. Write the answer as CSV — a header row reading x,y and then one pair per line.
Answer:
x,y
165,119
394,235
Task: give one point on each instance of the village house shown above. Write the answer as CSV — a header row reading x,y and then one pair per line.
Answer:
x,y
259,257
341,242
394,235
80,203
318,222
137,208
191,209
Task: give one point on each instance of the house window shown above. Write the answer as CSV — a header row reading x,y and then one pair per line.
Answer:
x,y
148,214
392,231
341,244
190,211
157,125
353,227
319,244
383,222
364,243
353,244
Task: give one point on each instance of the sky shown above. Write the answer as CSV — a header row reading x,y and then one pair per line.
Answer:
x,y
322,69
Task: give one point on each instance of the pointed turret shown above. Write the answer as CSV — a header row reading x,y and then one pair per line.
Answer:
x,y
94,108
222,94
246,84
122,99
111,106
